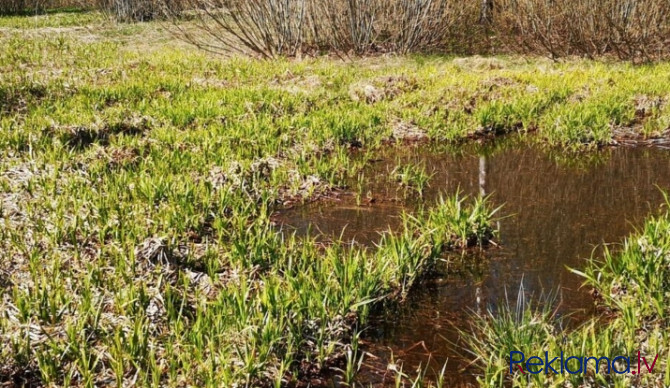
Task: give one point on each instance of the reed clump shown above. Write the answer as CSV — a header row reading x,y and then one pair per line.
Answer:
x,y
630,283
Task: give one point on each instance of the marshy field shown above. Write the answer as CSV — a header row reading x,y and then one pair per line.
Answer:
x,y
175,217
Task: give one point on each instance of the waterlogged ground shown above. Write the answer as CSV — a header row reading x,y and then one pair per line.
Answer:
x,y
558,210
142,184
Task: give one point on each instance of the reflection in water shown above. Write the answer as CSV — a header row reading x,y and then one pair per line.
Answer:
x,y
482,175
560,210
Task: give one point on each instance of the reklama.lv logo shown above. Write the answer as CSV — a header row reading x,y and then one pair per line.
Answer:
x,y
576,365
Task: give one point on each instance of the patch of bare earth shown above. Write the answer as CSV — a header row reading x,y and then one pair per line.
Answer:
x,y
381,88
632,135
404,131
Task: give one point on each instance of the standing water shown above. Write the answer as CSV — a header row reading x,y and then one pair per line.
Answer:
x,y
558,208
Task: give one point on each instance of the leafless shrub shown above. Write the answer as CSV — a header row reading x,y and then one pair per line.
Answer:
x,y
346,25
59,4
8,7
271,28
268,28
135,10
638,28
404,26
629,29
416,25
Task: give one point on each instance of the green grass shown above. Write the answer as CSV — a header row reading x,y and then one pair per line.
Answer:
x,y
411,177
242,306
54,19
632,282
138,178
137,192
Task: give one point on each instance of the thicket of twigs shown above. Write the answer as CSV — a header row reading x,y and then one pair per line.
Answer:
x,y
273,28
8,7
121,10
627,29
131,10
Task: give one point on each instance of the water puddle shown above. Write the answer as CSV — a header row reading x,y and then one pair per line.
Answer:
x,y
562,207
